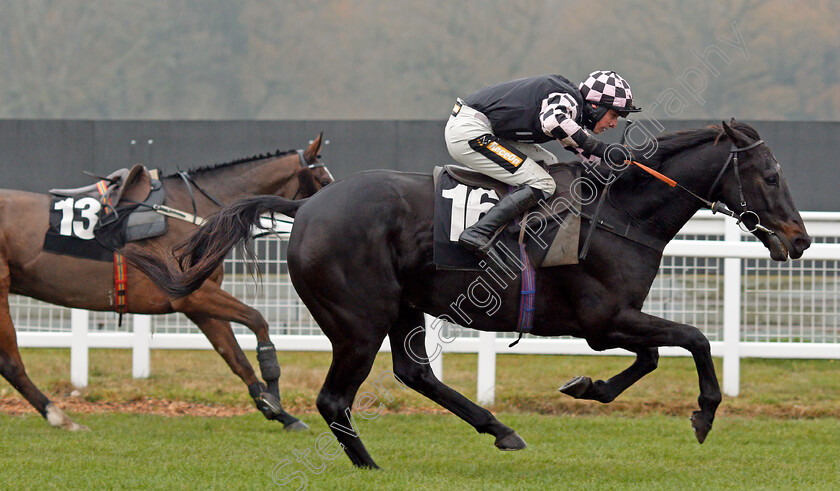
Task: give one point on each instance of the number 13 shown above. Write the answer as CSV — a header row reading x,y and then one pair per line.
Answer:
x,y
88,208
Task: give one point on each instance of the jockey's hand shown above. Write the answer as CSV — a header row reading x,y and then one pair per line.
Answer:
x,y
616,155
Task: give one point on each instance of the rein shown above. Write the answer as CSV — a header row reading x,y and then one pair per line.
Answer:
x,y
190,183
717,206
594,219
188,180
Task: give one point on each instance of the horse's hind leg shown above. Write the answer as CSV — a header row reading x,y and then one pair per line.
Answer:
x,y
411,365
351,364
12,369
606,391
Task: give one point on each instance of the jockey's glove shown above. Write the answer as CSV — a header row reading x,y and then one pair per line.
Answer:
x,y
616,155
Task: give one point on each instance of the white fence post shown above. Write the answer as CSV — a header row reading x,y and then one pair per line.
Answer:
x,y
486,392
731,314
141,355
79,348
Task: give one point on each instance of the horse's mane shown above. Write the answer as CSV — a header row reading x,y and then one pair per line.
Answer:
x,y
211,167
678,141
671,144
635,181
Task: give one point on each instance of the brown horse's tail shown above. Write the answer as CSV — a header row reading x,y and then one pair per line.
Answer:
x,y
197,257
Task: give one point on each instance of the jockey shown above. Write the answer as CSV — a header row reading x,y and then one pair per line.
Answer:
x,y
497,131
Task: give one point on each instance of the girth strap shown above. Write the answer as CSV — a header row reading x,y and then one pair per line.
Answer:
x,y
628,232
120,286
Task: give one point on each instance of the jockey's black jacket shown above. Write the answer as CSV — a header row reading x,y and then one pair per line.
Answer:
x,y
514,108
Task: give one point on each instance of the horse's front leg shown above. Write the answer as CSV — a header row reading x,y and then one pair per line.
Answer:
x,y
636,331
606,391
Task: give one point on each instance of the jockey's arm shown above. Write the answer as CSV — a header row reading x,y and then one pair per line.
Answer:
x,y
557,117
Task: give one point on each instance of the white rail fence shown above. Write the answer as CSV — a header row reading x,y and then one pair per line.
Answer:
x,y
713,276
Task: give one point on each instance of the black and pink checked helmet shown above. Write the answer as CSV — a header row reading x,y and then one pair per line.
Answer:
x,y
608,90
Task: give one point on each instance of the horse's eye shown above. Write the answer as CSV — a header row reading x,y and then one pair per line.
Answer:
x,y
771,180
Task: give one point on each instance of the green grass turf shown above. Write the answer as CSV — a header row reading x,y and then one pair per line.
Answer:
x,y
524,383
422,451
782,432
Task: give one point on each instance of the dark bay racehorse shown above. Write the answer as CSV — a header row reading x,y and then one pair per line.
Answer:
x,y
87,284
360,256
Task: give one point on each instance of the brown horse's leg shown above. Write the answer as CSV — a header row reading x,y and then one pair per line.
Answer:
x,y
411,365
210,301
601,391
220,335
635,330
12,369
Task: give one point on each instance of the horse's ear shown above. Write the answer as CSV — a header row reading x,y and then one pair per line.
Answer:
x,y
311,152
733,134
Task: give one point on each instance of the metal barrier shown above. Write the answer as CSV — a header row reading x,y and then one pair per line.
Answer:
x,y
712,276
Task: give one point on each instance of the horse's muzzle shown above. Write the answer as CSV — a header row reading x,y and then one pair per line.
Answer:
x,y
792,238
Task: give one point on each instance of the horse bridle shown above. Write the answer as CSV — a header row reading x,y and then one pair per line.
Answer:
x,y
718,207
306,165
715,206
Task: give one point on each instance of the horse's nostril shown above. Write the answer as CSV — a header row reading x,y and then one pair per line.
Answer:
x,y
802,243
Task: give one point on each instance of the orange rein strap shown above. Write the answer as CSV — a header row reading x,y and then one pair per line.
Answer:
x,y
662,177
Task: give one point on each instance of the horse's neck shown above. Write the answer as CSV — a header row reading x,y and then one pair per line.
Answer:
x,y
266,176
667,211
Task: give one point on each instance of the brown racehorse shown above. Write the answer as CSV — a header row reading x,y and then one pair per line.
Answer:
x,y
25,269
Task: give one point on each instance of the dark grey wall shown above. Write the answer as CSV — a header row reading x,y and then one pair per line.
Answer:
x,y
37,155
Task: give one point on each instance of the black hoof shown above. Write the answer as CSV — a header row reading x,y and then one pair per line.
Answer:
x,y
576,387
510,442
296,425
701,426
269,405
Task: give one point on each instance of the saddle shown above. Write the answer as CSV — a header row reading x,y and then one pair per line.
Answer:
x,y
126,198
133,184
552,234
467,176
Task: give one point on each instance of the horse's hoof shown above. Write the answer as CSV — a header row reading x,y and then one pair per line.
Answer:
x,y
576,387
269,405
296,425
56,418
701,427
510,442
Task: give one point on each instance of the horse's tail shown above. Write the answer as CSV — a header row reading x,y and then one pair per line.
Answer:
x,y
200,254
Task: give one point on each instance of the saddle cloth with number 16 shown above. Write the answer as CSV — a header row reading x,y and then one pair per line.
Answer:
x,y
462,196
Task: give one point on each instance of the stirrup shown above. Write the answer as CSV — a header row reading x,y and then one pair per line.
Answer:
x,y
480,250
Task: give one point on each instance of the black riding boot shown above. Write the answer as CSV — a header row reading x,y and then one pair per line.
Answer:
x,y
479,237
